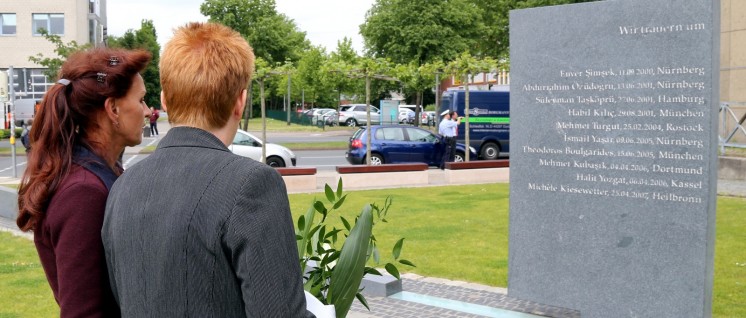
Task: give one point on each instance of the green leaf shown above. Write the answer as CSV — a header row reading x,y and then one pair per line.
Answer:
x,y
406,262
340,202
345,223
301,223
308,220
329,193
361,298
391,268
339,188
333,233
348,273
372,271
397,248
319,206
376,255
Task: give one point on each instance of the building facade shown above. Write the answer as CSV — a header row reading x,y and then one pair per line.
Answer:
x,y
733,71
733,51
82,21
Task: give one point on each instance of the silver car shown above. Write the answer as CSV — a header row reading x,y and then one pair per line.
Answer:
x,y
355,114
247,145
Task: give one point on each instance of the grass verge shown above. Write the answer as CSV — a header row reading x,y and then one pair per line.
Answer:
x,y
733,152
327,145
7,151
274,125
453,232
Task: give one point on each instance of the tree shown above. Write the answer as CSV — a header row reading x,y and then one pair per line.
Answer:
x,y
261,72
416,79
463,67
337,68
273,36
144,38
421,31
311,77
63,51
495,40
370,68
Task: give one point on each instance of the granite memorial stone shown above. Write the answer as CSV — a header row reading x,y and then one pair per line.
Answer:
x,y
613,156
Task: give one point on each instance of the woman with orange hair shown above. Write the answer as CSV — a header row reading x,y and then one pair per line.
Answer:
x,y
84,123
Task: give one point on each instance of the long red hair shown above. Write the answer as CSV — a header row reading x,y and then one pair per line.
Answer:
x,y
67,115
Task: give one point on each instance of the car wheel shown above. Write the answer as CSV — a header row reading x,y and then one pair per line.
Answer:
x,y
376,159
275,162
459,157
489,151
351,122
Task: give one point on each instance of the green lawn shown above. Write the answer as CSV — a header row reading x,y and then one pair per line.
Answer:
x,y
274,125
454,232
24,291
20,150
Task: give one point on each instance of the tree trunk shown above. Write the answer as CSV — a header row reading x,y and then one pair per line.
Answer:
x,y
418,108
264,122
367,113
248,111
466,118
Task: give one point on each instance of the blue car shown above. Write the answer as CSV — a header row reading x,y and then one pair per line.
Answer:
x,y
400,144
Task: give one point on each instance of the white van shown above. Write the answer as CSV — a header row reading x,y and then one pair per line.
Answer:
x,y
24,110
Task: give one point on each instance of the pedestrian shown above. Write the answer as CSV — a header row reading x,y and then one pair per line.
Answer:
x,y
454,117
25,139
85,121
218,239
154,114
446,129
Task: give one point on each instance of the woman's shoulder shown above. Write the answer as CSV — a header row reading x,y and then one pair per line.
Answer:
x,y
79,194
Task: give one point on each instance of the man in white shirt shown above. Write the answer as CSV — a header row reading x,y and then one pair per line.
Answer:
x,y
447,129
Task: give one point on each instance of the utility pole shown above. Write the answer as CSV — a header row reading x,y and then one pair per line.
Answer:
x,y
12,91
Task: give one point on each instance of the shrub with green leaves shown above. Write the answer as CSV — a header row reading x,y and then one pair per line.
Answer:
x,y
333,275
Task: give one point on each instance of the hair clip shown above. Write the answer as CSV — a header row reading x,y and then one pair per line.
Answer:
x,y
63,81
100,77
113,61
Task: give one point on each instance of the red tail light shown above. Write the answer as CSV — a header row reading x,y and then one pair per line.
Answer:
x,y
357,143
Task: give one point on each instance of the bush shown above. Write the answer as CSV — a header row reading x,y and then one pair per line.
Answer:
x,y
5,133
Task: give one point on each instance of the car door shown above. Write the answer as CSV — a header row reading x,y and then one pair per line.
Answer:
x,y
246,146
392,144
423,146
375,115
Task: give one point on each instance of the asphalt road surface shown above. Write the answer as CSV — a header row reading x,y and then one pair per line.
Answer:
x,y
320,159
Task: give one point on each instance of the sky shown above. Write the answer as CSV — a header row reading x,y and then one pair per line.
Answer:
x,y
324,21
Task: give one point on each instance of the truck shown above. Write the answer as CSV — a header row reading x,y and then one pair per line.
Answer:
x,y
489,120
25,110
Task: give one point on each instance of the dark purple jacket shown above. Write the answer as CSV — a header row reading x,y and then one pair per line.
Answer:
x,y
68,241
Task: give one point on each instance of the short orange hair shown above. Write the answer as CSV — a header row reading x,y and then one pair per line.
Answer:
x,y
204,68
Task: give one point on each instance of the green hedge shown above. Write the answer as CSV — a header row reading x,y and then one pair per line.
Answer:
x,y
5,133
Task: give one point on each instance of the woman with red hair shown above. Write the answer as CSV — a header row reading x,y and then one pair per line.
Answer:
x,y
84,123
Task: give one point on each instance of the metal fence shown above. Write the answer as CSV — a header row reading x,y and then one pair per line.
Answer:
x,y
732,131
301,119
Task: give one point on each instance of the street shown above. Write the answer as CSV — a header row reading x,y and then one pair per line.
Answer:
x,y
320,159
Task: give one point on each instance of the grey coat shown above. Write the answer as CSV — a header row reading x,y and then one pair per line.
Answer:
x,y
196,231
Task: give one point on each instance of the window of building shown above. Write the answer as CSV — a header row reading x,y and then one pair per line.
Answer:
x,y
7,24
54,23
